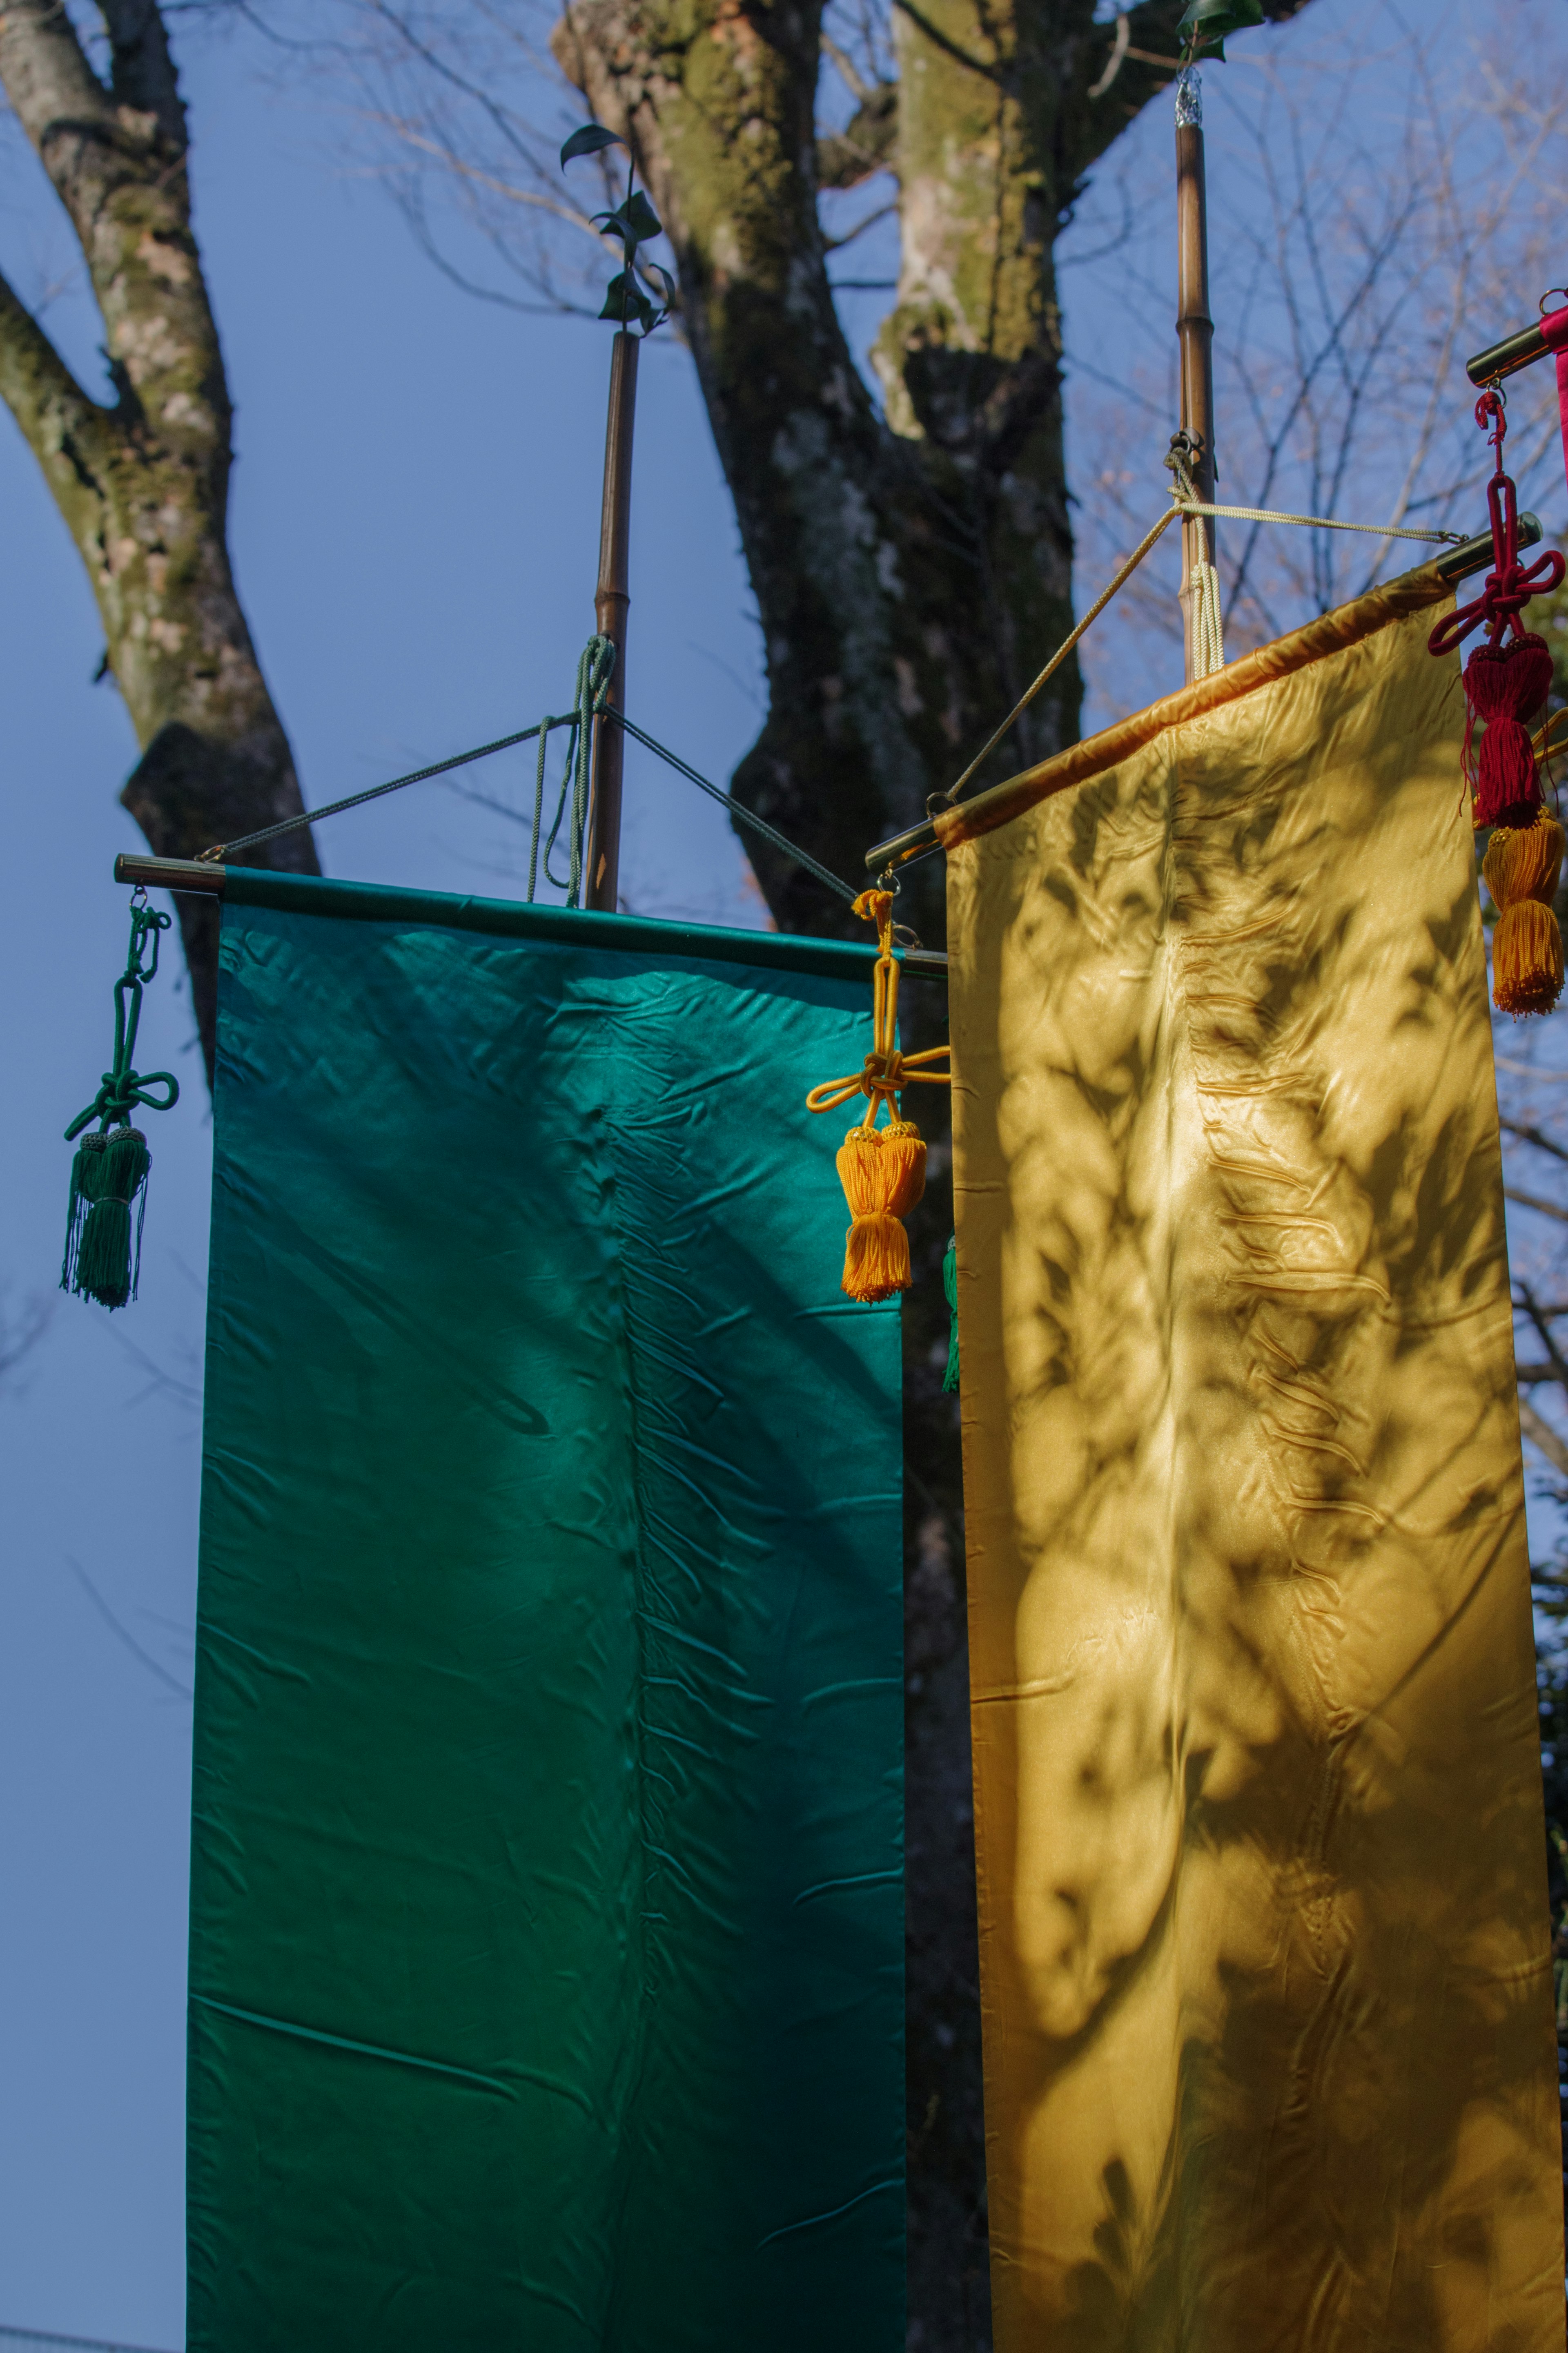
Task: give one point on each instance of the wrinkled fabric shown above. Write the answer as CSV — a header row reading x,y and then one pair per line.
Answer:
x,y
1269,2060
547,1905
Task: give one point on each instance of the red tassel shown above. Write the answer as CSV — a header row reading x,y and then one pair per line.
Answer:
x,y
1507,791
1503,684
1510,682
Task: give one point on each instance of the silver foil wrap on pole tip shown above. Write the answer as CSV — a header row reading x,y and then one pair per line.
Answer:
x,y
1189,99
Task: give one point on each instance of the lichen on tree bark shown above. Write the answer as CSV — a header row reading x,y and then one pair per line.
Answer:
x,y
143,484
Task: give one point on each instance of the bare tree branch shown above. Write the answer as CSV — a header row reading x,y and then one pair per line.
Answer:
x,y
1533,1136
20,1334
1541,1434
123,1633
1535,1201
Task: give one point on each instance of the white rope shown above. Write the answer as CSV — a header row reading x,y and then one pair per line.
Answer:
x,y
1319,523
1207,617
1208,627
1062,652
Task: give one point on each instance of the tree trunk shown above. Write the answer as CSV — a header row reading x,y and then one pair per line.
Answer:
x,y
912,570
143,486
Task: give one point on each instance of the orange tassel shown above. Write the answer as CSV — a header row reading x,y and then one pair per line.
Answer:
x,y
882,1170
1521,869
905,1154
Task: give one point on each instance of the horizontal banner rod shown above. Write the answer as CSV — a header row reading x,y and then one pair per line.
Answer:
x,y
171,874
1506,359
192,874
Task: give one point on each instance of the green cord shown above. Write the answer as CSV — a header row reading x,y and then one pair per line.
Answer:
x,y
123,1087
595,667
109,1175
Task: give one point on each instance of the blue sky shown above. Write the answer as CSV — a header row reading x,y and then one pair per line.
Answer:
x,y
415,535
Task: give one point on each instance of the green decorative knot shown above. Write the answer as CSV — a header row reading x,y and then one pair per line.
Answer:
x,y
636,223
109,1175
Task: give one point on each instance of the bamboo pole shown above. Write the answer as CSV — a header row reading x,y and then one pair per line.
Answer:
x,y
611,602
1194,332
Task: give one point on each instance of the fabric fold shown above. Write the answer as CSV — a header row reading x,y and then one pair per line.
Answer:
x,y
1265,1947
547,1927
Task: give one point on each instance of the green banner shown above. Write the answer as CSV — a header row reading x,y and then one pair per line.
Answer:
x,y
547,1891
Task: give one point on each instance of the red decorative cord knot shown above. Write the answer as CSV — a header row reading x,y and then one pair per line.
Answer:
x,y
1511,585
1504,681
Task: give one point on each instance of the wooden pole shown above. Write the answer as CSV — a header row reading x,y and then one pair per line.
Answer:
x,y
611,602
1195,330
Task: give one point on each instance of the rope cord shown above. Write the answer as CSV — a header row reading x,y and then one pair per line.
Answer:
x,y
1208,639
594,667
222,850
1191,506
738,810
1207,621
594,670
1062,652
124,1088
885,1072
592,683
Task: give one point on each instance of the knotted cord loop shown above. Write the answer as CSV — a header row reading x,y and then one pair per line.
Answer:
x,y
108,1176
596,666
886,1072
1510,583
1206,622
1507,680
124,1089
881,1169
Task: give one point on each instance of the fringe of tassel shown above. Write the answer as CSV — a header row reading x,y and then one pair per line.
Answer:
x,y
883,1172
103,1239
1521,869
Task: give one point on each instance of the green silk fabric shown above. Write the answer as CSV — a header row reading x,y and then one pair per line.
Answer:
x,y
547,1890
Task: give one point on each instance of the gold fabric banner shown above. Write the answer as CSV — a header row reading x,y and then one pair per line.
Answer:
x,y
1270,2060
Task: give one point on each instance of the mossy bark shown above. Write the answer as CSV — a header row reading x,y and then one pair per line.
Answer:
x,y
912,570
143,486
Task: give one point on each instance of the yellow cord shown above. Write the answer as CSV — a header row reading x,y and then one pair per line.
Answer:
x,y
885,1072
881,1169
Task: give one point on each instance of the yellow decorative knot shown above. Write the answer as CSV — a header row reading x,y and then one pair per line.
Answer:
x,y
882,1170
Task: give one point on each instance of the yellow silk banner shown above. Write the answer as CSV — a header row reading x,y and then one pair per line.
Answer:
x,y
1265,1950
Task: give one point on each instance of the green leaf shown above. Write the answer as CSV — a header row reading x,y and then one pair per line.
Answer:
x,y
626,302
1206,22
633,222
588,141
645,221
650,272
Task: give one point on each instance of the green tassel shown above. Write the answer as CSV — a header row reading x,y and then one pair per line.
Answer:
x,y
949,1284
103,1245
